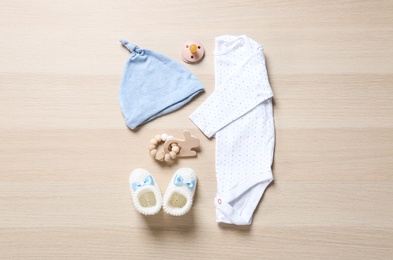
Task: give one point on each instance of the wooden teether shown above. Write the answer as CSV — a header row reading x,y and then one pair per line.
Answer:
x,y
173,147
190,142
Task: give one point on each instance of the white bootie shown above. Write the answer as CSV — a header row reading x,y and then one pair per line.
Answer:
x,y
145,192
179,195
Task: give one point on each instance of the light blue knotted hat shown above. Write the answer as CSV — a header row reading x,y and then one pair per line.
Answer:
x,y
153,85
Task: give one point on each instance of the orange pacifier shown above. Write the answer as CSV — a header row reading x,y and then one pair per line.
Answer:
x,y
192,51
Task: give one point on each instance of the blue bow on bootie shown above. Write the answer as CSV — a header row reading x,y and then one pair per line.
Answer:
x,y
147,181
180,181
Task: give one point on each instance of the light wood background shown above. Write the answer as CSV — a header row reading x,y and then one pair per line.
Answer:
x,y
66,154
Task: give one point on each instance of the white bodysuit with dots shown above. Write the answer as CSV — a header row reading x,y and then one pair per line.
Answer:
x,y
239,115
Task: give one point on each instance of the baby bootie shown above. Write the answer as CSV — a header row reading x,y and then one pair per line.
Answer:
x,y
180,192
145,192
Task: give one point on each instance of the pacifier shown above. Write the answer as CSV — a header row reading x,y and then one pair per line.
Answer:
x,y
192,51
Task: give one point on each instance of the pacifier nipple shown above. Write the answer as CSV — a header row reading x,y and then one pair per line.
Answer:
x,y
193,48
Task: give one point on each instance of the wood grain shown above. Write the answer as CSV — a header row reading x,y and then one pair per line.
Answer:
x,y
65,152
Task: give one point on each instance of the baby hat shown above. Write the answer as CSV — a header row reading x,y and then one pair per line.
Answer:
x,y
153,85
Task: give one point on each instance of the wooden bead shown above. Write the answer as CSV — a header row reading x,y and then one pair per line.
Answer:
x,y
153,141
158,138
173,154
173,144
153,152
160,156
167,157
152,146
176,149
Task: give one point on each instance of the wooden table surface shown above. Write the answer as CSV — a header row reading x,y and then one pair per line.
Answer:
x,y
66,154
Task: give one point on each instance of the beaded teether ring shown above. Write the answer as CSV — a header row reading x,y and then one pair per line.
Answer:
x,y
173,147
160,155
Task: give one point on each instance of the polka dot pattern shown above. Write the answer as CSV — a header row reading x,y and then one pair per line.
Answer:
x,y
239,114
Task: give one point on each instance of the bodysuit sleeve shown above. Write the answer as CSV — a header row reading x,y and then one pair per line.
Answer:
x,y
236,95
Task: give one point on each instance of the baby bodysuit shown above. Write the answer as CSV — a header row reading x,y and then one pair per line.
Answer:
x,y
239,115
